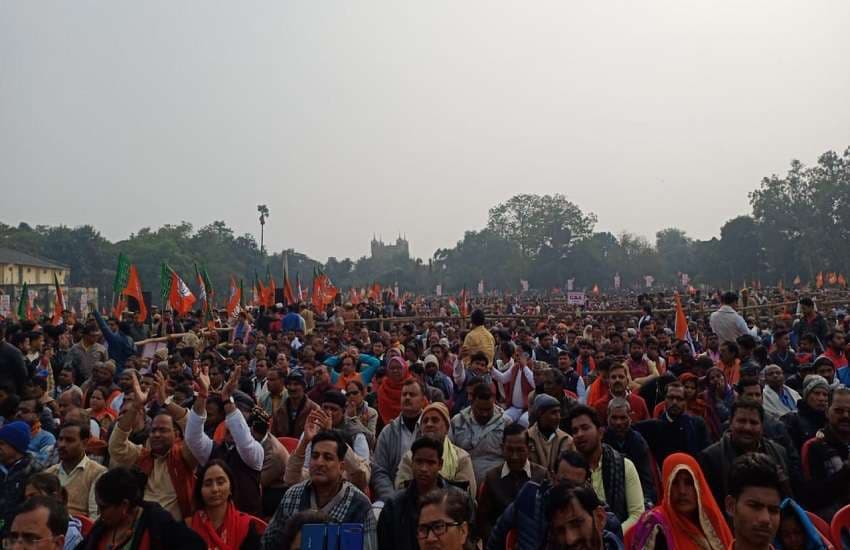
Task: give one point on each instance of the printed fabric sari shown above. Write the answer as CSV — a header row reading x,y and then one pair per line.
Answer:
x,y
677,531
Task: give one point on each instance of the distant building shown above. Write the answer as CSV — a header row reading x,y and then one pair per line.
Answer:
x,y
387,252
17,268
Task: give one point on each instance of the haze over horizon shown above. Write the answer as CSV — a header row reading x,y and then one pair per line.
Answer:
x,y
413,118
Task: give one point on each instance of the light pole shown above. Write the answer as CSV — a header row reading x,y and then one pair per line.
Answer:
x,y
264,213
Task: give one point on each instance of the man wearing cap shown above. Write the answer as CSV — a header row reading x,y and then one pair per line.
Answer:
x,y
778,399
436,379
17,467
826,487
290,417
810,415
546,439
457,464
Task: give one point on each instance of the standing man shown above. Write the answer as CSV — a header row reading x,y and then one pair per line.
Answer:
x,y
479,338
726,323
811,322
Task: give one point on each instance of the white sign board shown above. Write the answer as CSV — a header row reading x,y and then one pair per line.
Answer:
x,y
576,298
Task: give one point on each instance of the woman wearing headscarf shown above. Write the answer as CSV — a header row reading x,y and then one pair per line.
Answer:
x,y
389,392
796,530
688,517
718,397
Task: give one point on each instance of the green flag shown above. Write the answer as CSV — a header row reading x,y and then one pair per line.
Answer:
x,y
165,283
122,274
24,310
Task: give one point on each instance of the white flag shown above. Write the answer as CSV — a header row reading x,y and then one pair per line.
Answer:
x,y
570,283
524,284
617,280
649,279
439,290
481,286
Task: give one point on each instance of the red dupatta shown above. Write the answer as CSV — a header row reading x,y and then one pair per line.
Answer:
x,y
389,394
232,533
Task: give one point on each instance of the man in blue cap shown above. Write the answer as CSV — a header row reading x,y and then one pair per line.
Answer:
x,y
15,468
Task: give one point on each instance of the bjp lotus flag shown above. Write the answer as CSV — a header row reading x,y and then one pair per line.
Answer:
x,y
819,280
595,289
288,295
842,281
234,296
833,278
797,280
178,295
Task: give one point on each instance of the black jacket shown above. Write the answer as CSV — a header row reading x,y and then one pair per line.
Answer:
x,y
12,490
803,424
686,434
12,366
166,533
399,517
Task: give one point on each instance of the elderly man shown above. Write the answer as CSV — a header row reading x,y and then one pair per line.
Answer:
x,y
457,464
546,440
623,438
810,415
779,399
826,489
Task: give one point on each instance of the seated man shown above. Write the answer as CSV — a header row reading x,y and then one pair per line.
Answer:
x,y
457,464
755,493
675,431
40,521
576,518
502,483
478,430
825,489
618,384
397,523
325,491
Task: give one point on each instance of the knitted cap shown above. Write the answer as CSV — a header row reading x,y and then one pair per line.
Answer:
x,y
440,408
17,435
812,382
544,402
432,359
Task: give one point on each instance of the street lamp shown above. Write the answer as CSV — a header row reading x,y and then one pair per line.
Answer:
x,y
264,213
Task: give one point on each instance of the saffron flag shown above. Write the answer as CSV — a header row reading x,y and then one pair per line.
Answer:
x,y
288,295
833,278
819,280
271,288
134,289
681,327
375,292
59,303
299,295
841,280
797,280
464,303
595,289
174,291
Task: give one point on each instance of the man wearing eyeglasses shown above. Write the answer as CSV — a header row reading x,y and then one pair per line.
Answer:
x,y
40,524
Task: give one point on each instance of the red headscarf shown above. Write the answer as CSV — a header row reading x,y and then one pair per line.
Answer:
x,y
389,393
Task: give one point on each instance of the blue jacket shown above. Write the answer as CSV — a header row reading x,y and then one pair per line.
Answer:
x,y
372,364
120,346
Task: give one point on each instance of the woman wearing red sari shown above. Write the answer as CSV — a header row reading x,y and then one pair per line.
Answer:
x,y
217,520
688,518
389,392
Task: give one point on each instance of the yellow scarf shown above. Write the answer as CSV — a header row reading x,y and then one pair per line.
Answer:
x,y
449,460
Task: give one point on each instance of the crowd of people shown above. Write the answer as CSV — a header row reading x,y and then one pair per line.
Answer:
x,y
557,429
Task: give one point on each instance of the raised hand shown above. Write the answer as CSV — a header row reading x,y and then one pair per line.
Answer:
x,y
141,396
160,387
232,383
202,376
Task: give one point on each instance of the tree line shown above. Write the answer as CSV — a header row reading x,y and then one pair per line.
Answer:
x,y
798,226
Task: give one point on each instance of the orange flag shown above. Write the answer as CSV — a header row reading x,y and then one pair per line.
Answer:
x,y
375,292
233,296
833,278
841,280
819,280
179,296
59,304
134,289
595,289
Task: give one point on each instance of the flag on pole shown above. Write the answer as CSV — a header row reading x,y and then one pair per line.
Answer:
x,y
59,304
234,297
375,291
617,281
202,290
481,286
24,304
134,289
439,290
595,289
299,296
819,280
175,292
271,288
288,295
833,278
524,285
841,280
464,303
681,327
797,280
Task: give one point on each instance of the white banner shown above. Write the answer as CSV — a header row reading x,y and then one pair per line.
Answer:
x,y
649,279
570,283
524,284
5,305
439,291
576,298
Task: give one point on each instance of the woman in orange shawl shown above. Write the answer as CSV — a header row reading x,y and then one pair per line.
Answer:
x,y
217,520
688,518
389,392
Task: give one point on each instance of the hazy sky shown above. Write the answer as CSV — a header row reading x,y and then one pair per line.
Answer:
x,y
349,118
